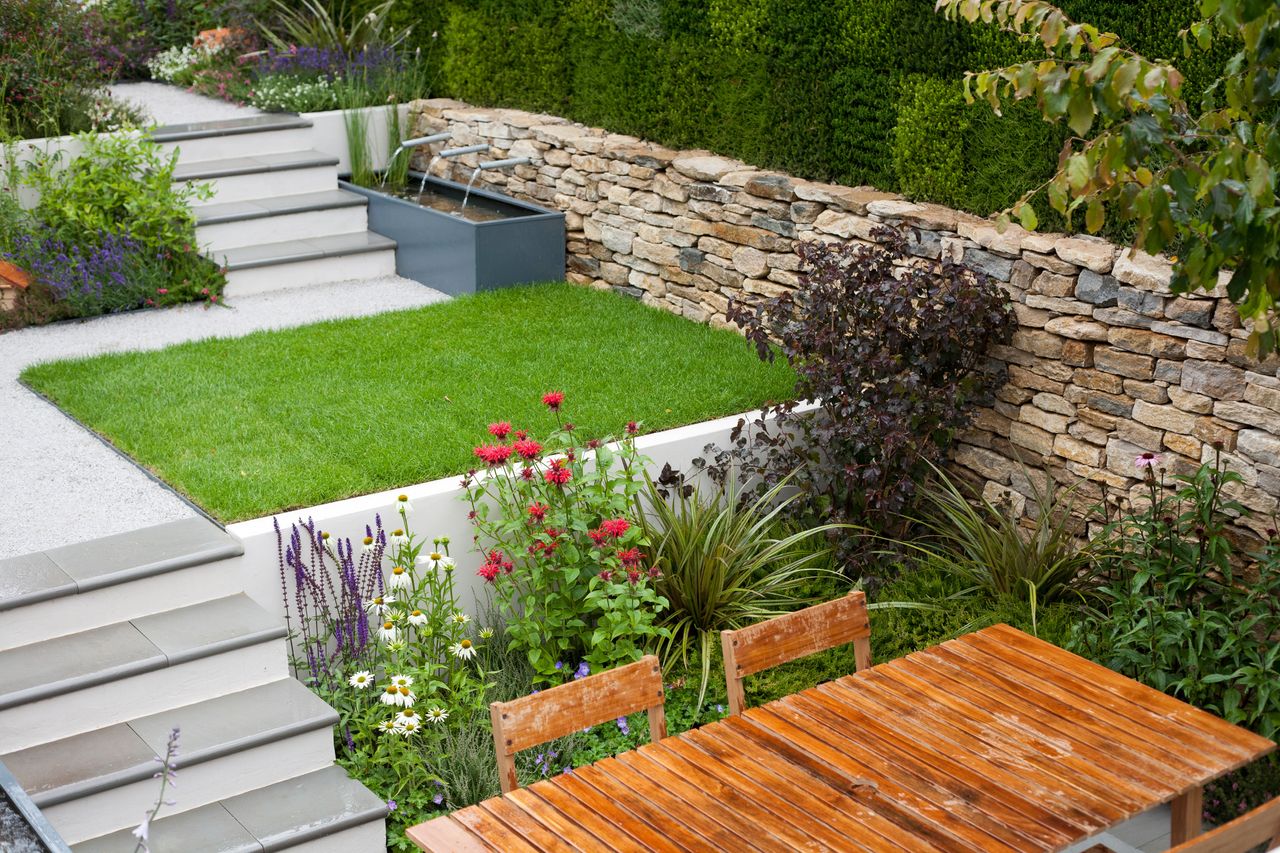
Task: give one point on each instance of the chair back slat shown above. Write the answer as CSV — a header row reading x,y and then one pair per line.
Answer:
x,y
795,635
572,707
1260,826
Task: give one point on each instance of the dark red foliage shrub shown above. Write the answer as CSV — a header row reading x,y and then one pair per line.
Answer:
x,y
893,349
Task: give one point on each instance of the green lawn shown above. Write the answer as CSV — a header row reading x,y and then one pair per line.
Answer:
x,y
254,425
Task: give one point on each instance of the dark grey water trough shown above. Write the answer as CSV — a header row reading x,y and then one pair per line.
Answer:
x,y
23,829
495,242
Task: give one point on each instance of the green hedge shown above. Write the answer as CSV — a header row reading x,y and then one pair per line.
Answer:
x,y
855,91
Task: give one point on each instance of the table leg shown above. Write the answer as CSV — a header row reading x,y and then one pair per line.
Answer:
x,y
1188,810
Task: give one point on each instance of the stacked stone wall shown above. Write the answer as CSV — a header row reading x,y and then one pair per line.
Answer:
x,y
1106,363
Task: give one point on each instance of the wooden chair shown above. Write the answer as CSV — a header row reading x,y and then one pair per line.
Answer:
x,y
776,641
531,720
1260,826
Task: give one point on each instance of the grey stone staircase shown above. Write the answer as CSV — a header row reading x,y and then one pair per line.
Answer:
x,y
106,646
277,219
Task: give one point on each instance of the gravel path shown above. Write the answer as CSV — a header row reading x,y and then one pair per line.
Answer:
x,y
171,105
60,484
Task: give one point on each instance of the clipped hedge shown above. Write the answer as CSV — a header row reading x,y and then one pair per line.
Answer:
x,y
854,91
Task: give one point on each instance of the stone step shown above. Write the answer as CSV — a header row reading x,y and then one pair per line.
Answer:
x,y
276,220
300,263
321,812
216,140
113,579
94,783
79,682
261,176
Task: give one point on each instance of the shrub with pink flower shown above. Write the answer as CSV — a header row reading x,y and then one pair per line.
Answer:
x,y
566,562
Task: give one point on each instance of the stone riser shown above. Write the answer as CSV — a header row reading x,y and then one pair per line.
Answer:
x,y
311,224
201,784
141,597
140,695
247,282
270,184
240,145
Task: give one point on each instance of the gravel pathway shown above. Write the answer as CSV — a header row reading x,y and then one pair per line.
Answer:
x,y
171,105
60,484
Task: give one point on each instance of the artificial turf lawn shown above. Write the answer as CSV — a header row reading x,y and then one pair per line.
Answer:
x,y
250,426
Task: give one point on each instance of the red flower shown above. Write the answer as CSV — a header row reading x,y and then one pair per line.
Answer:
x,y
631,556
598,536
495,563
654,572
606,575
593,443
633,576
615,527
558,474
493,454
538,511
569,427
500,430
521,435
632,427
553,399
527,448
162,291
488,571
526,472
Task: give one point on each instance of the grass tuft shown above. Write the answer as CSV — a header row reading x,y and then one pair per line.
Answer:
x,y
251,426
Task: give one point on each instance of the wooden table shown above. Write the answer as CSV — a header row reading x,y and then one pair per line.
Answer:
x,y
995,741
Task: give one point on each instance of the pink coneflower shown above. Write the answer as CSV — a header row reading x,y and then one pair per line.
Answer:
x,y
1147,460
553,400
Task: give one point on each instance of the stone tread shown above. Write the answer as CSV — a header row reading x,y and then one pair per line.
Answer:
x,y
291,251
228,127
62,665
272,818
240,211
112,560
202,170
117,755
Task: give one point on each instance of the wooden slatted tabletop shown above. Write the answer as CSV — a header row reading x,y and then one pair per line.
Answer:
x,y
995,741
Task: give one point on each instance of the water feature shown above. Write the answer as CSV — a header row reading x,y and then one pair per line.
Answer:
x,y
492,164
449,152
407,146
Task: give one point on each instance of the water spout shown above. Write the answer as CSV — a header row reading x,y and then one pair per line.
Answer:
x,y
407,146
449,152
493,164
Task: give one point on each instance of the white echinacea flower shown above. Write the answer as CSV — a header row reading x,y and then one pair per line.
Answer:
x,y
461,618
403,506
486,633
399,578
387,726
361,679
463,649
398,537
388,633
402,680
437,715
417,619
437,562
381,604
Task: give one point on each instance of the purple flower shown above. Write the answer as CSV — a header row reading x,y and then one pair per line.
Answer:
x,y
391,805
583,670
623,726
438,799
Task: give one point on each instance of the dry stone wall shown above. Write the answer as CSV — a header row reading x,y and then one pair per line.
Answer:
x,y
1106,364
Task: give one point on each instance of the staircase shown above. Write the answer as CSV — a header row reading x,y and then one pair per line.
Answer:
x,y
106,646
277,219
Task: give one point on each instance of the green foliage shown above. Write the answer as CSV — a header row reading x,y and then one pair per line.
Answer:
x,y
119,181
726,562
1185,168
985,546
1178,614
342,25
928,141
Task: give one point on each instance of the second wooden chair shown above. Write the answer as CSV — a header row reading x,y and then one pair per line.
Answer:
x,y
572,707
776,641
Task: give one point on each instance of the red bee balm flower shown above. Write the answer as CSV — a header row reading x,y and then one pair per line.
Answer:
x,y
615,527
631,556
538,511
527,448
500,430
553,399
598,536
493,454
558,474
632,427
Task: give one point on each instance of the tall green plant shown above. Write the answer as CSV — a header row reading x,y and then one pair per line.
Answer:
x,y
344,26
356,121
986,545
726,562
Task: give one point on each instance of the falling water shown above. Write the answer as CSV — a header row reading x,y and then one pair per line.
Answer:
x,y
471,183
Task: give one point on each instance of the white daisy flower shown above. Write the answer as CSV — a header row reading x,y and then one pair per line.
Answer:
x,y
369,544
436,715
408,715
387,726
390,696
403,506
486,633
361,679
407,728
382,604
417,619
463,649
405,697
402,680
461,618
400,579
398,538
437,562
388,633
